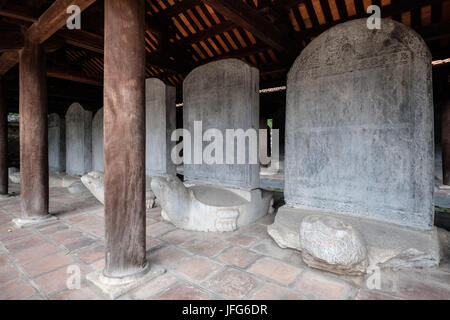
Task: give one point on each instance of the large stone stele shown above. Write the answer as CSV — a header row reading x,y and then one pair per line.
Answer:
x,y
209,208
94,182
329,244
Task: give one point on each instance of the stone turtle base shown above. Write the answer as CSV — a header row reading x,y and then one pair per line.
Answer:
x,y
388,245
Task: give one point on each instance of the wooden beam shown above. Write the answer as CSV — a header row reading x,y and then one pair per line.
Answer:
x,y
83,39
17,12
70,75
7,61
248,18
95,43
207,33
53,19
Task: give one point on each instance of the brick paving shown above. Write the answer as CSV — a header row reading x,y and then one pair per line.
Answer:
x,y
37,263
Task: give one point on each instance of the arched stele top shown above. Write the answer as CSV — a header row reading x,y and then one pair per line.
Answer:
x,y
53,119
353,46
232,70
98,115
156,82
74,108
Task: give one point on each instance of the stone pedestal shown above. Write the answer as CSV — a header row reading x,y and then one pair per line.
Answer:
x,y
209,208
114,288
388,245
33,222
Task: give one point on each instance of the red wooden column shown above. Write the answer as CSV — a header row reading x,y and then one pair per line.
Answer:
x,y
3,141
446,143
124,139
33,132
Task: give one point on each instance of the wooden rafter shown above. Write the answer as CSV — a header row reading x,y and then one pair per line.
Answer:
x,y
51,21
251,20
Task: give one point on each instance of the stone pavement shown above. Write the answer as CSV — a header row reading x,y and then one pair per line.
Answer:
x,y
247,264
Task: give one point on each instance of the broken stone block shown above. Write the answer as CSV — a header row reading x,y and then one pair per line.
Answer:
x,y
329,244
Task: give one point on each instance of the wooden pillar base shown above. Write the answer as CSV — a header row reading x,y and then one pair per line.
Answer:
x,y
114,288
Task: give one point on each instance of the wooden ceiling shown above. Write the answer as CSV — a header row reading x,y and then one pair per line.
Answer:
x,y
184,34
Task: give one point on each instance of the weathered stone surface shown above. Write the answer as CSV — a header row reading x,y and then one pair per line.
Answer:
x,y
223,95
329,244
97,142
78,140
15,177
388,245
94,182
77,188
209,208
56,143
160,111
359,125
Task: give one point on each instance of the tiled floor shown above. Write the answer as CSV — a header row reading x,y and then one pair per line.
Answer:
x,y
247,264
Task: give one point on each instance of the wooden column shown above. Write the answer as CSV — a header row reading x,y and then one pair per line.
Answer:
x,y
3,141
124,138
446,143
33,131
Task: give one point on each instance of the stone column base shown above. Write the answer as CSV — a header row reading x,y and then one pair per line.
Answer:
x,y
23,223
4,196
114,288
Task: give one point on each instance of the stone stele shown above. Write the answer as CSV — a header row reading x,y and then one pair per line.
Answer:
x,y
78,140
359,141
